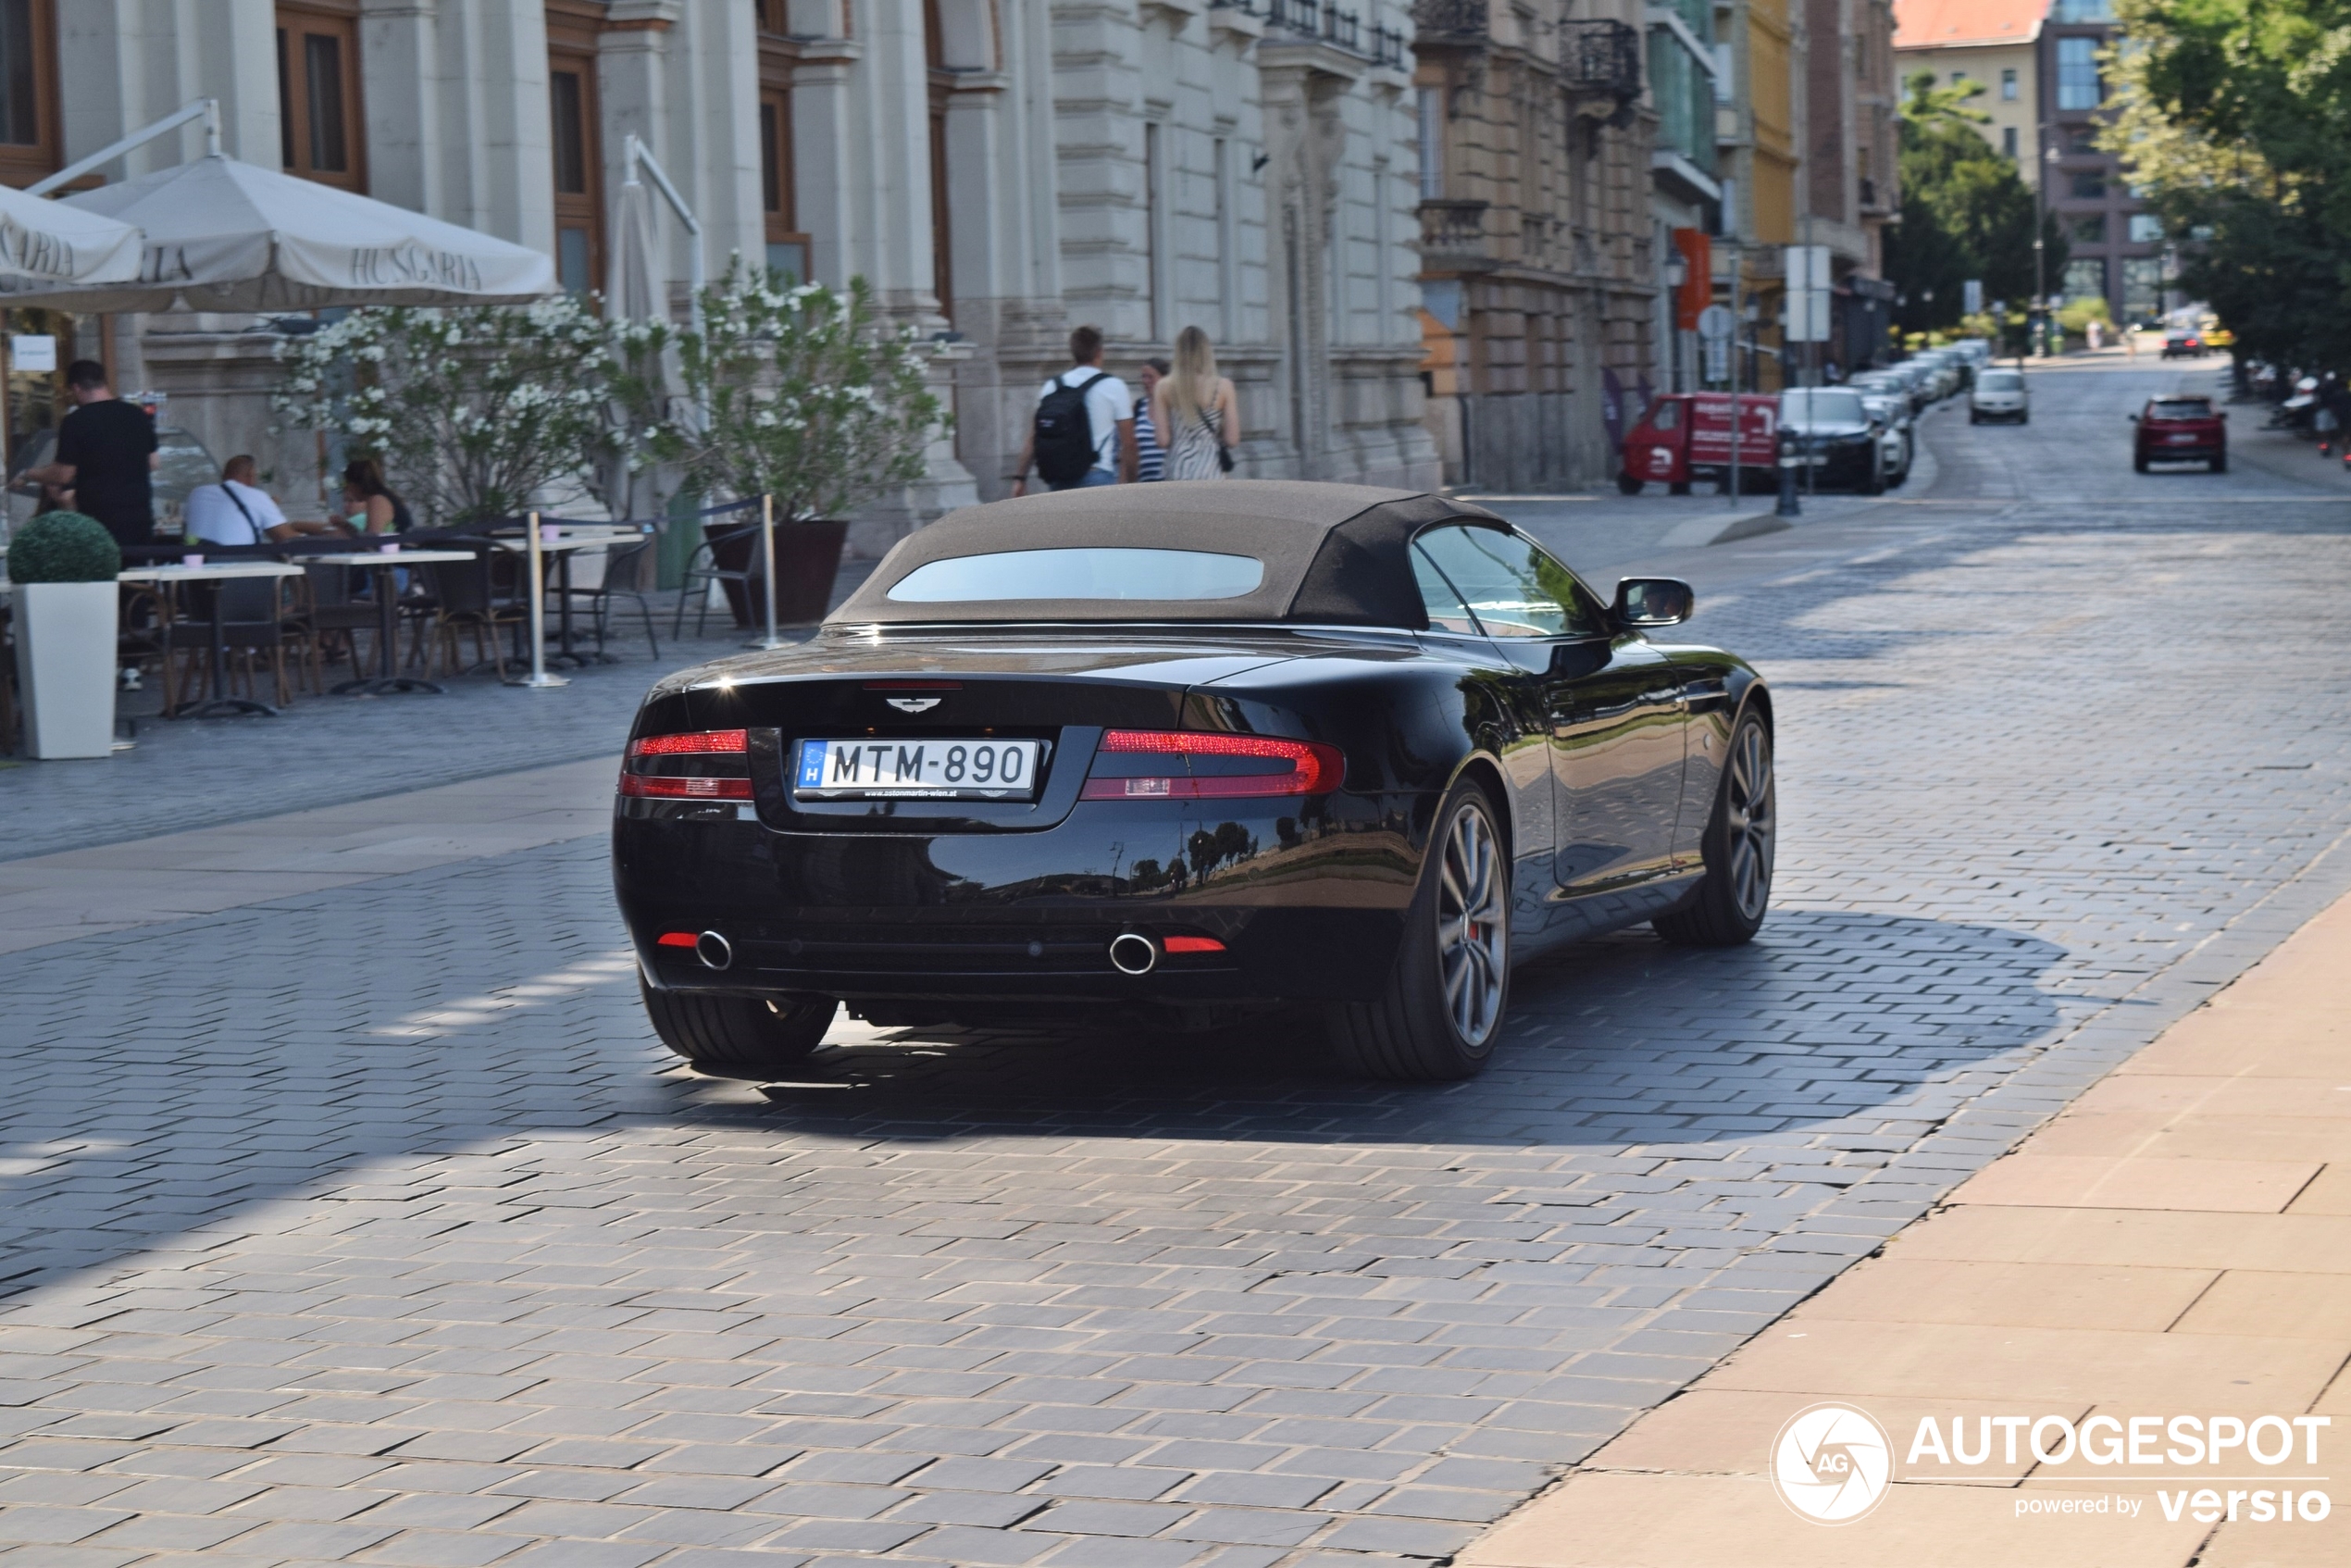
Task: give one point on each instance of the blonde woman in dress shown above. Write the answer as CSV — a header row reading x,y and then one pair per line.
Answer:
x,y
1196,412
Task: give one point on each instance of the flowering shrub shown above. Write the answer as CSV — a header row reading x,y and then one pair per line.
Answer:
x,y
476,412
799,392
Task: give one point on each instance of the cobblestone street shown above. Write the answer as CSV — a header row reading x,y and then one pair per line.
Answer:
x,y
372,1226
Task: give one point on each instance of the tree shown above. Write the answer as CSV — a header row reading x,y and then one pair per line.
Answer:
x,y
2234,118
798,393
475,412
1965,213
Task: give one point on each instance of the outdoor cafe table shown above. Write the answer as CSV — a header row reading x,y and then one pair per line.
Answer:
x,y
561,547
220,705
383,563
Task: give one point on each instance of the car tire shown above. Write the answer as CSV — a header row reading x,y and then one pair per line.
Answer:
x,y
738,1037
2221,464
1627,485
1422,1029
2139,463
1681,488
1973,417
1728,906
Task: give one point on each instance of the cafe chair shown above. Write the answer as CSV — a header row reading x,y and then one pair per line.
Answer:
x,y
629,574
727,557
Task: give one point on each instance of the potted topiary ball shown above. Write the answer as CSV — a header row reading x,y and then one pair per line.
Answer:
x,y
63,566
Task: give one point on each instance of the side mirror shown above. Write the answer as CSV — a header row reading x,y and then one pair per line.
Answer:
x,y
1654,601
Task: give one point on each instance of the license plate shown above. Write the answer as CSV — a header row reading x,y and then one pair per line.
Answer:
x,y
933,768
2180,440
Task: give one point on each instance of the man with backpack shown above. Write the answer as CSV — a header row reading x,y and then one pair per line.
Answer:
x,y
1083,432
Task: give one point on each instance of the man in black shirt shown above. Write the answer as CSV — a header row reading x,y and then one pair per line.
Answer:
x,y
107,454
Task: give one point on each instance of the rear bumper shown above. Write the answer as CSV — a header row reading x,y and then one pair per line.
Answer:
x,y
2163,451
1308,898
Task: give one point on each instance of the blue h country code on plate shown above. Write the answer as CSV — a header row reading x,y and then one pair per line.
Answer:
x,y
936,767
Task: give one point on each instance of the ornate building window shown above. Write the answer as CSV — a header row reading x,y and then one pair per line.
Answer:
x,y
779,54
575,142
318,121
28,140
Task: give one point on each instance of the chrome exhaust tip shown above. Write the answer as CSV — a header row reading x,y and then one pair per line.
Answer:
x,y
714,950
1131,952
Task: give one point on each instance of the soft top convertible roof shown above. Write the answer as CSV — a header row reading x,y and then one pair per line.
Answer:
x,y
1332,553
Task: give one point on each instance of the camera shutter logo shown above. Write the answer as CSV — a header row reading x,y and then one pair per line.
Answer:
x,y
1832,1464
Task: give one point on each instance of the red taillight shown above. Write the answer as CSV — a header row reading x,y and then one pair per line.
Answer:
x,y
677,939
1315,768
1191,944
702,743
676,774
685,789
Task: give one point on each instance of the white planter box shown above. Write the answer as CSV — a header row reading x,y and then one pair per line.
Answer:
x,y
66,666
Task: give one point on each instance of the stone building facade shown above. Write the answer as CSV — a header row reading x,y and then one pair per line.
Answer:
x,y
1001,171
1539,250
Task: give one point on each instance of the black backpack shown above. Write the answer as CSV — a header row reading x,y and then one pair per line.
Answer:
x,y
1064,435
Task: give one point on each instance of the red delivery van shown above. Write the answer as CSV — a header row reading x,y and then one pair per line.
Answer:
x,y
1687,436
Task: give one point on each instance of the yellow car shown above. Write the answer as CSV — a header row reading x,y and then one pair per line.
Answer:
x,y
2220,337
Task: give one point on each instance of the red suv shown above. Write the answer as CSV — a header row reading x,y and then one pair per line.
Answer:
x,y
2180,429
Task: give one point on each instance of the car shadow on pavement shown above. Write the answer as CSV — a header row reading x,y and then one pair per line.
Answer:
x,y
1828,1017
155,1119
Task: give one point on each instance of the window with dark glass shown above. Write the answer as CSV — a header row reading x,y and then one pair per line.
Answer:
x,y
942,84
319,125
20,75
2077,62
570,133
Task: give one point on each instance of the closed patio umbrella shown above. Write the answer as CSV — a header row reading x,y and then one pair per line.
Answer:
x,y
231,236
47,244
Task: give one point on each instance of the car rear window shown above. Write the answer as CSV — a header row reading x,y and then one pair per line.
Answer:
x,y
2181,409
1823,405
2001,380
1101,572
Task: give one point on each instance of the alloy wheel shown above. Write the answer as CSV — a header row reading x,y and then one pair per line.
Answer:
x,y
1473,924
1749,810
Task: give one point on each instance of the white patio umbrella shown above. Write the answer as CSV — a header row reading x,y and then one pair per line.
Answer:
x,y
231,236
47,244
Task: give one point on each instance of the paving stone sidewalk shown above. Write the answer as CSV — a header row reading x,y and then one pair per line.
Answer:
x,y
368,1225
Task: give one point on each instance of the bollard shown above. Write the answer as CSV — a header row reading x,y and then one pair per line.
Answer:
x,y
1788,506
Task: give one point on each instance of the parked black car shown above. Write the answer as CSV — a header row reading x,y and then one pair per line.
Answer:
x,y
1179,751
1837,434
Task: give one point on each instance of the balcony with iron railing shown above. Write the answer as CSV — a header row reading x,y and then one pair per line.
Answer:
x,y
1602,58
1453,237
1455,22
1321,21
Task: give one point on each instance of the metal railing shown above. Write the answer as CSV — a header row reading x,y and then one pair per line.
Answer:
x,y
1454,235
1438,22
1323,22
1602,57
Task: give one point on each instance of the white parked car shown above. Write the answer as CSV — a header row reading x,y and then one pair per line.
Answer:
x,y
1891,408
2001,394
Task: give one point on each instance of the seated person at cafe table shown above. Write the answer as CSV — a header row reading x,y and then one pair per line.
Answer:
x,y
373,505
237,511
107,454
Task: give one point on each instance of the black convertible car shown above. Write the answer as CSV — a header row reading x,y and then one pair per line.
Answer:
x,y
1179,752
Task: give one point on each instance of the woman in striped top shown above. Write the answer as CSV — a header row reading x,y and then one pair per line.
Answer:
x,y
1195,412
1152,457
